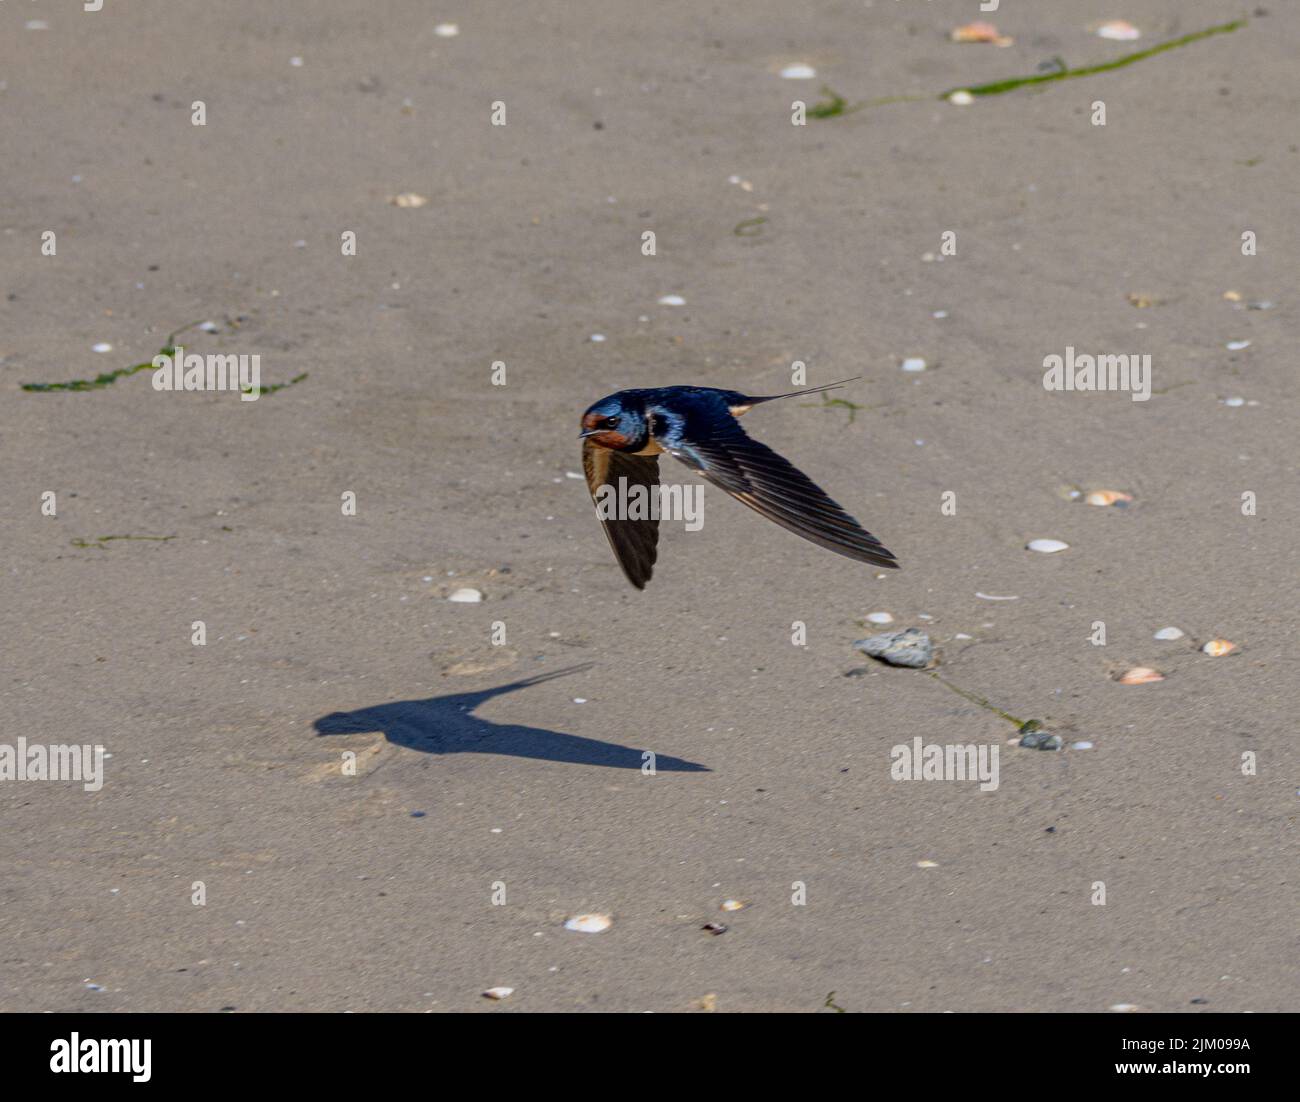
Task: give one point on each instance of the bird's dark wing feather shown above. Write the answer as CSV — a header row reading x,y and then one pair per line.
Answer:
x,y
635,542
719,449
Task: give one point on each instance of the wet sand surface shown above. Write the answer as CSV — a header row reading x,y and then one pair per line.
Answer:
x,y
488,807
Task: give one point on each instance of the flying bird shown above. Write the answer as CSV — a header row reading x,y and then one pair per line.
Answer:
x,y
624,434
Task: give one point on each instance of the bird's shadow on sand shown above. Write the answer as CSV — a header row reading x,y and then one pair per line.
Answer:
x,y
447,725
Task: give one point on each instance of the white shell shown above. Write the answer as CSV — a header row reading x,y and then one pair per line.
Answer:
x,y
1119,30
1168,633
466,596
880,617
798,71
927,864
1217,648
961,98
447,30
1047,547
498,992
102,346
914,363
1237,346
589,924
671,300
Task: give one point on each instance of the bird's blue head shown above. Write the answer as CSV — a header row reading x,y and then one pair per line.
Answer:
x,y
617,423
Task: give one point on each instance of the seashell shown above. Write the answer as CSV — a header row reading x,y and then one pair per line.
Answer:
x,y
914,363
1046,547
1107,497
446,30
1119,30
1217,648
961,98
597,338
1234,402
589,924
1168,633
102,346
1083,744
1232,296
671,300
498,992
1140,675
1124,1008
1237,346
980,32
732,905
466,597
994,597
798,71
408,199
927,864
880,617
715,928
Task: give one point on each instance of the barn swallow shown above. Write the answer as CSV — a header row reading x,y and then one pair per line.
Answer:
x,y
623,435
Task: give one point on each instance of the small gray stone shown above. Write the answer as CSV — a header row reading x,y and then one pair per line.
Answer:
x,y
1035,738
910,647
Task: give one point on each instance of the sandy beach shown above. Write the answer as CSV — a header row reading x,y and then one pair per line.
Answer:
x,y
358,794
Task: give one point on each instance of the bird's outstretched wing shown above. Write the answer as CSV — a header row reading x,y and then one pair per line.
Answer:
x,y
635,542
717,447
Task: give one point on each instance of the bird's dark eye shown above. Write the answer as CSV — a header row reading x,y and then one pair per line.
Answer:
x,y
611,422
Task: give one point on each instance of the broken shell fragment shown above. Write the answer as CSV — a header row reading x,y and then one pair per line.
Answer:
x,y
980,32
1119,30
589,924
1140,675
466,597
408,199
1047,547
1108,497
1217,648
498,993
733,905
1168,633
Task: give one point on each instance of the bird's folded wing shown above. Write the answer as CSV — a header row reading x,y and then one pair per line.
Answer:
x,y
754,474
635,542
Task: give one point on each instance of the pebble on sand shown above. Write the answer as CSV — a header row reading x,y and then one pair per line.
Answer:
x,y
927,864
1124,1008
408,199
911,648
1217,648
1119,30
1108,497
1047,547
446,30
466,597
102,346
880,617
498,993
589,924
914,363
1168,633
798,71
671,300
1237,346
1140,675
961,98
